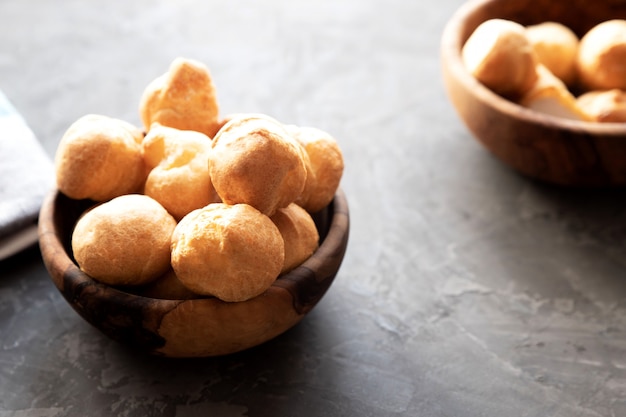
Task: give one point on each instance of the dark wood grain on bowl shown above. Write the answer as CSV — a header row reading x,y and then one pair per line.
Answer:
x,y
547,148
190,328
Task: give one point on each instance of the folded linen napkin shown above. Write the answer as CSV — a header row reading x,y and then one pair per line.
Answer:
x,y
26,176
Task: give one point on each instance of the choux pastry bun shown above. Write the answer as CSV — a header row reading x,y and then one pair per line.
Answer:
x,y
255,161
608,106
125,241
601,60
195,205
556,47
232,252
549,95
99,158
499,55
179,178
184,98
299,234
324,163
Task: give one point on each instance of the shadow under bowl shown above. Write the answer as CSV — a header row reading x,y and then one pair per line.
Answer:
x,y
543,147
198,327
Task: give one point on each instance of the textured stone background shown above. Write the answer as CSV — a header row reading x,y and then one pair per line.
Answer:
x,y
467,290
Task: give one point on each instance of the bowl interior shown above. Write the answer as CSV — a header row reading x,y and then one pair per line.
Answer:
x,y
190,328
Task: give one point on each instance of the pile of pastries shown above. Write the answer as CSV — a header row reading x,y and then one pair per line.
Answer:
x,y
547,68
195,204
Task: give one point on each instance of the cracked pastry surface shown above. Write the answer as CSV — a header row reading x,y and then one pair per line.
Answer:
x,y
184,97
179,174
255,161
232,252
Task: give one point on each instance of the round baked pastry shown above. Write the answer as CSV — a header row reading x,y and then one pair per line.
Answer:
x,y
499,55
184,98
125,241
299,234
556,47
601,60
608,106
232,252
324,163
179,178
99,158
255,161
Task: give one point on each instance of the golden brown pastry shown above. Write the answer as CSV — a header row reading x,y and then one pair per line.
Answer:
x,y
550,96
184,98
99,158
601,60
556,47
608,106
125,241
299,234
324,163
499,54
232,252
255,161
179,178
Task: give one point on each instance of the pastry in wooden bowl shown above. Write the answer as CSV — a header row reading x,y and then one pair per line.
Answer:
x,y
601,60
299,234
556,47
324,166
500,55
254,160
604,106
232,252
184,98
99,158
189,326
179,174
124,241
541,146
550,96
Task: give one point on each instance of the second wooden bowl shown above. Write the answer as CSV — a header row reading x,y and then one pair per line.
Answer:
x,y
197,327
547,148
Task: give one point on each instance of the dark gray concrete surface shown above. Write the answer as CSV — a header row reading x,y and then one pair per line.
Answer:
x,y
467,290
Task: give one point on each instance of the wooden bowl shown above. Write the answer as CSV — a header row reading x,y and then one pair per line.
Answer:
x,y
543,147
198,327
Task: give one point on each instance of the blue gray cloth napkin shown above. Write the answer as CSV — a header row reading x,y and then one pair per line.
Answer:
x,y
26,176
